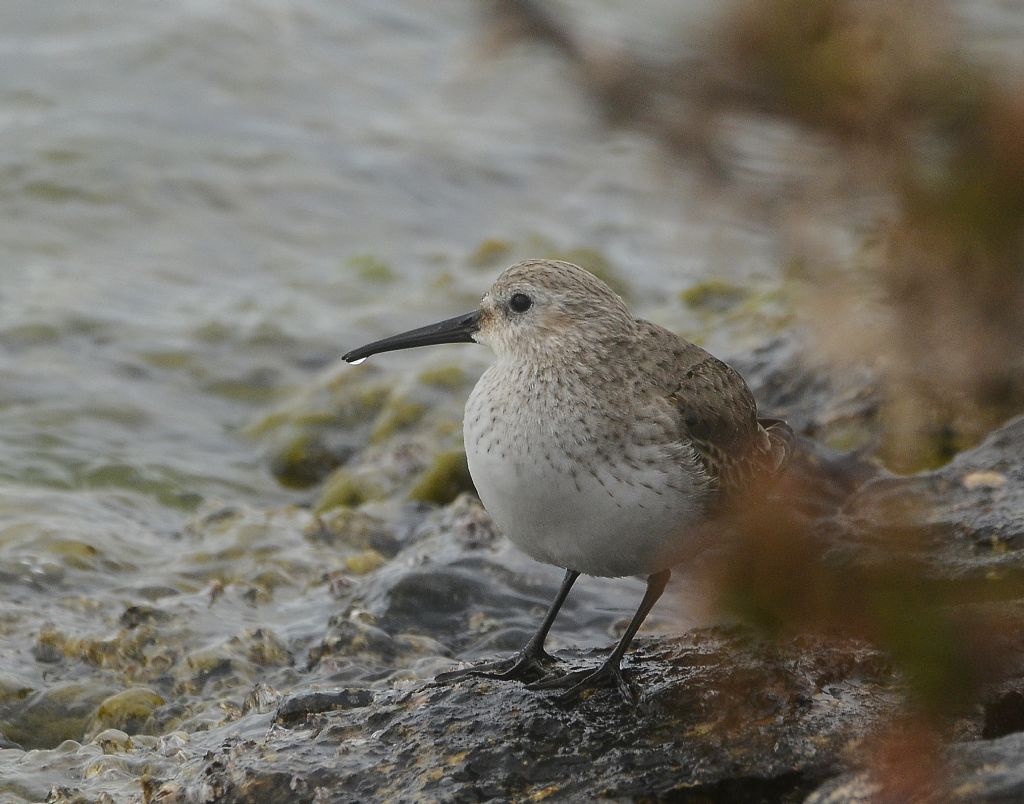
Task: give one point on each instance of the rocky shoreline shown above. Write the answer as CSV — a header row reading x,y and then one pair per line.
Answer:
x,y
726,715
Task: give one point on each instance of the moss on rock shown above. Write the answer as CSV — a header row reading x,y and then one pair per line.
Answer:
x,y
714,295
449,377
364,562
398,414
303,461
129,711
444,480
345,488
371,269
490,252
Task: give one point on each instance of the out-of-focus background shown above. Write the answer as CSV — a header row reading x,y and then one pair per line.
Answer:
x,y
203,204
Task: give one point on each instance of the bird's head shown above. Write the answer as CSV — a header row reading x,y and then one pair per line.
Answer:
x,y
536,310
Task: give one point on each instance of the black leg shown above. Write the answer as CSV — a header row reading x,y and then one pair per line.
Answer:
x,y
532,661
609,673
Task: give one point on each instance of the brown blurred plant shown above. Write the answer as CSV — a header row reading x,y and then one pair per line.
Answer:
x,y
946,643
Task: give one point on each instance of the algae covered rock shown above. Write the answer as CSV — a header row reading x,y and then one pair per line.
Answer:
x,y
365,438
130,711
51,716
444,480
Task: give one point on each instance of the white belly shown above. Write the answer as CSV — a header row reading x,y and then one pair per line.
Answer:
x,y
599,517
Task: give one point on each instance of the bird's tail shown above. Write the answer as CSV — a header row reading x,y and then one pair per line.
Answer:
x,y
781,440
818,479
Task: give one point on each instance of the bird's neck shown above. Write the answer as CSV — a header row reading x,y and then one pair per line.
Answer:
x,y
560,386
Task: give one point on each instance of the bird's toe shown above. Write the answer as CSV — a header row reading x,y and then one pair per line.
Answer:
x,y
524,666
577,685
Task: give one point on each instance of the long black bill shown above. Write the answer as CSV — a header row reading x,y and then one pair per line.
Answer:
x,y
454,330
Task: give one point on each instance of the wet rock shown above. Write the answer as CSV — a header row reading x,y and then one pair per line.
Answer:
x,y
989,770
129,711
49,646
355,529
964,528
365,562
113,741
69,795
261,698
298,708
354,648
837,410
698,729
308,458
135,616
977,771
1004,715
52,716
5,743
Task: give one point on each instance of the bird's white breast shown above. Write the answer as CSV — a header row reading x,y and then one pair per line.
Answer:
x,y
602,502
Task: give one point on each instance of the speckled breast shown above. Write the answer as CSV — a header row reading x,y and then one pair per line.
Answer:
x,y
606,504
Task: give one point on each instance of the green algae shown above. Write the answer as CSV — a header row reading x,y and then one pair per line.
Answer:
x,y
345,488
398,414
212,332
168,490
847,437
490,252
303,461
365,562
747,312
346,406
12,689
168,359
448,377
54,715
113,741
444,480
352,528
443,280
130,711
256,388
714,295
371,269
25,335
262,647
57,193
72,553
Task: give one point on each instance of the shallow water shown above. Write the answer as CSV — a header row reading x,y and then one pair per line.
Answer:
x,y
203,205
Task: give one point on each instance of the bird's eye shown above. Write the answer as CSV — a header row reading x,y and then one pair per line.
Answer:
x,y
520,302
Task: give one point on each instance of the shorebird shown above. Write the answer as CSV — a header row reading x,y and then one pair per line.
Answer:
x,y
598,442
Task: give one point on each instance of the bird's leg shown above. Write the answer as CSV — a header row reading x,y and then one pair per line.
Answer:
x,y
532,661
609,674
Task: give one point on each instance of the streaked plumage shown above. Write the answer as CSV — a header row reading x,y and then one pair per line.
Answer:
x,y
598,442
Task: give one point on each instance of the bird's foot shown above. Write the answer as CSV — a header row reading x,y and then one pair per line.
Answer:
x,y
524,666
578,683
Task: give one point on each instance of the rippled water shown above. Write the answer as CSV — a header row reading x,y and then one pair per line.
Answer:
x,y
202,204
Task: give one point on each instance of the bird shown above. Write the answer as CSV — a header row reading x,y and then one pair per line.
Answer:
x,y
598,442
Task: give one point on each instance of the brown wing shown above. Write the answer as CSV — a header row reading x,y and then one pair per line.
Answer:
x,y
718,417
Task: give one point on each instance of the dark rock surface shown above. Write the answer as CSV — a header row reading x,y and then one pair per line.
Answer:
x,y
968,516
721,715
